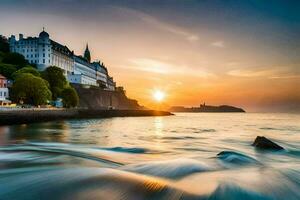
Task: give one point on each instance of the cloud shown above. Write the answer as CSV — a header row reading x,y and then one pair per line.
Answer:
x,y
275,73
161,67
150,65
284,77
249,73
170,28
155,22
219,44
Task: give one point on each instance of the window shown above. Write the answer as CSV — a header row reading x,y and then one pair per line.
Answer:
x,y
4,84
0,94
4,94
44,55
44,61
43,49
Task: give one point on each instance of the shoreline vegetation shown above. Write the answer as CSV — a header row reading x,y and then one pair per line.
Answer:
x,y
26,116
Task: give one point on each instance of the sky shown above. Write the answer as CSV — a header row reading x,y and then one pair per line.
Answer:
x,y
241,53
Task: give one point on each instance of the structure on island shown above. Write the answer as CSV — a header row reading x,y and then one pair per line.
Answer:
x,y
44,52
206,108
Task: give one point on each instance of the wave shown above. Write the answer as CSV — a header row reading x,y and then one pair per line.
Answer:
x,y
204,130
234,192
128,150
103,183
38,150
86,183
172,169
178,137
281,129
235,158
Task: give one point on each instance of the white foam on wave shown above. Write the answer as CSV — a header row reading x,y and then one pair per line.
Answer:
x,y
169,168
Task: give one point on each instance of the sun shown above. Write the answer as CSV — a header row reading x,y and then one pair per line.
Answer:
x,y
158,95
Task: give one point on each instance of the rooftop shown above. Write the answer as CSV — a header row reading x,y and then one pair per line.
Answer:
x,y
2,77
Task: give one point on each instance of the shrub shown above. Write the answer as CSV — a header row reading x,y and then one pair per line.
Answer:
x,y
70,97
28,69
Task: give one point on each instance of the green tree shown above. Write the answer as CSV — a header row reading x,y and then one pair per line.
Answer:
x,y
15,59
4,46
7,70
2,54
70,97
31,89
56,80
29,70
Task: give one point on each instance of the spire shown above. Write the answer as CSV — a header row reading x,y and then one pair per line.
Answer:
x,y
87,54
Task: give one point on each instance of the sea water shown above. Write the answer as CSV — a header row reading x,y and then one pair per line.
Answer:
x,y
185,156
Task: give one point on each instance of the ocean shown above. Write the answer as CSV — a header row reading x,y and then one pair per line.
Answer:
x,y
185,156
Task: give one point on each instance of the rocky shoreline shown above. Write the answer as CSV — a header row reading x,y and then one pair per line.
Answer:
x,y
25,116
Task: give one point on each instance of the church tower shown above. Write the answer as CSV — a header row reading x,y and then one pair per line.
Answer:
x,y
87,54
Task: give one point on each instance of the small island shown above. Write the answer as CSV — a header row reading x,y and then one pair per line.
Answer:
x,y
206,108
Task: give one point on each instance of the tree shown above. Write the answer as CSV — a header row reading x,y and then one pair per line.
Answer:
x,y
7,70
31,89
15,59
28,69
56,80
4,46
70,97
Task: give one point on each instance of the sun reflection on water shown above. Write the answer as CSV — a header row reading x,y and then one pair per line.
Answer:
x,y
158,125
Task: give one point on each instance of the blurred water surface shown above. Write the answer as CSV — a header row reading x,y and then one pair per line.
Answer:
x,y
186,156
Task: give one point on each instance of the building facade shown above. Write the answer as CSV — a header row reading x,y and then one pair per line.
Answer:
x,y
44,52
111,85
4,94
84,72
101,74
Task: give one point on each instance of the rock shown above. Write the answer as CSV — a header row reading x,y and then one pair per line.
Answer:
x,y
264,143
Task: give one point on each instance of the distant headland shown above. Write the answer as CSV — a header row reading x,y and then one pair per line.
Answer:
x,y
206,108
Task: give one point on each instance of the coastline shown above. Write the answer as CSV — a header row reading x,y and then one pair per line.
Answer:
x,y
26,116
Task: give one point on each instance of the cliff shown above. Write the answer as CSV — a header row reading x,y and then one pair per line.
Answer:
x,y
207,108
97,98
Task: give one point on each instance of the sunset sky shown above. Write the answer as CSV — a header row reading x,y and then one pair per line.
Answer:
x,y
242,53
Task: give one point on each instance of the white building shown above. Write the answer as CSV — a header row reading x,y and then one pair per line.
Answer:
x,y
84,72
43,52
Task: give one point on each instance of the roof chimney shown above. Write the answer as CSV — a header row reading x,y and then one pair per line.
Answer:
x,y
20,36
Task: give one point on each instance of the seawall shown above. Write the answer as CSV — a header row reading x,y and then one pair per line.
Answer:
x,y
97,98
25,116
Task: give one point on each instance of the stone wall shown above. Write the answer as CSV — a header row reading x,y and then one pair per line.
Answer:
x,y
101,99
